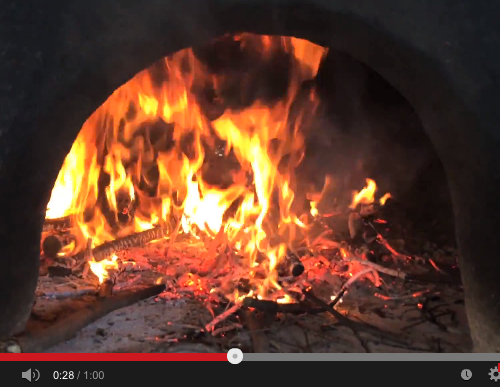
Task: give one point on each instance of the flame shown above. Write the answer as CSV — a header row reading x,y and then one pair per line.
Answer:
x,y
315,197
314,211
367,195
384,198
62,199
142,160
101,269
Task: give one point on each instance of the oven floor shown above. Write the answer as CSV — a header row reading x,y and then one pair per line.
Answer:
x,y
160,324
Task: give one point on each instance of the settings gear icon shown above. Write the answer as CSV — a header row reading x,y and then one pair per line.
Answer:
x,y
494,374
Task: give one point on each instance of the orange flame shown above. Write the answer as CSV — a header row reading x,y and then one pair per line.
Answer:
x,y
101,269
384,198
149,140
316,197
367,195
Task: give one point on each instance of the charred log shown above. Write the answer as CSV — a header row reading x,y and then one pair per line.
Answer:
x,y
53,244
125,205
273,307
291,265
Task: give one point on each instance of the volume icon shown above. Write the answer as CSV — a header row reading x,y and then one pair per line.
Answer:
x,y
29,375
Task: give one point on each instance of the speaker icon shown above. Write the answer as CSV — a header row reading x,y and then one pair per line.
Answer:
x,y
28,375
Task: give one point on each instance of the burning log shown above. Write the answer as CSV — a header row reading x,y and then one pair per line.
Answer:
x,y
56,224
125,206
106,249
291,265
67,328
53,244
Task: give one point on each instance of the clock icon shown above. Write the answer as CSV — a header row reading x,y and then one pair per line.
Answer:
x,y
466,374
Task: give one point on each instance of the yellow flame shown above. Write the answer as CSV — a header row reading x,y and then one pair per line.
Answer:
x,y
100,269
384,198
366,195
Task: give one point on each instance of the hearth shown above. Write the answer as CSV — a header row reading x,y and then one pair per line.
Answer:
x,y
259,185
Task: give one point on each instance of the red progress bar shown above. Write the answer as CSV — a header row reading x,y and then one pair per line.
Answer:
x,y
113,356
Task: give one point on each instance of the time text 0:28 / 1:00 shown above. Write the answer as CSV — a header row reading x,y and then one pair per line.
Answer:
x,y
87,375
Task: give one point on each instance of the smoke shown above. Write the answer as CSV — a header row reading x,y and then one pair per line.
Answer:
x,y
365,128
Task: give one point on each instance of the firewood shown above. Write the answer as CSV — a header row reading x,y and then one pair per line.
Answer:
x,y
87,254
221,317
255,326
106,289
290,265
53,244
56,224
106,249
354,326
225,329
103,251
354,224
273,307
67,328
338,296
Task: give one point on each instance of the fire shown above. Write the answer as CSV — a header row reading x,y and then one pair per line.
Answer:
x,y
68,182
367,195
316,197
142,158
101,269
314,211
384,198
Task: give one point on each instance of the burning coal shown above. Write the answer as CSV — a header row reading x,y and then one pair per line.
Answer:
x,y
184,147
